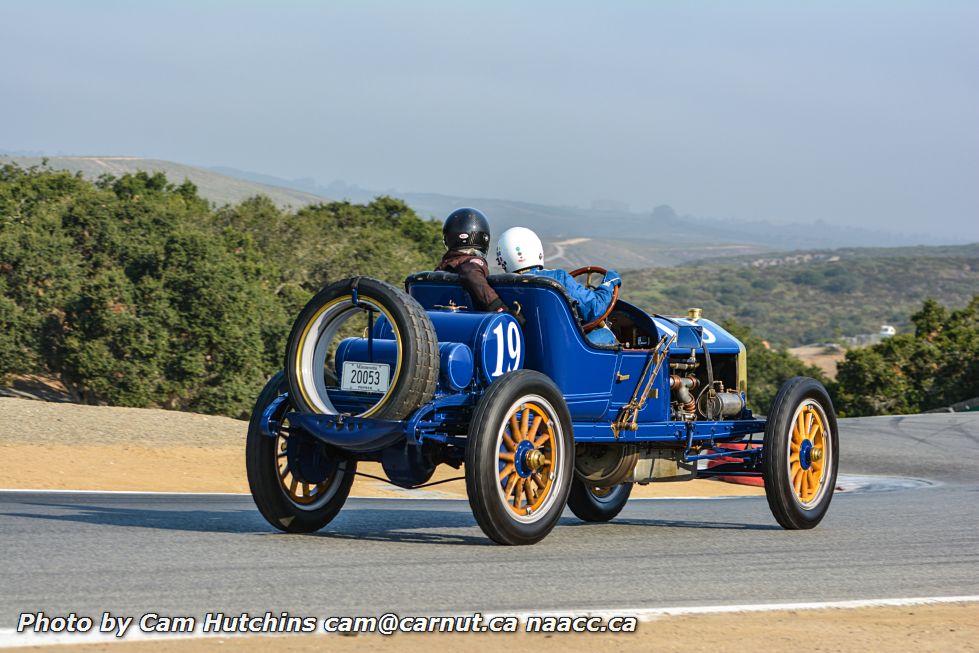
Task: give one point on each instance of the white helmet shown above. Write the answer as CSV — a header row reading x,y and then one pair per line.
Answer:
x,y
519,248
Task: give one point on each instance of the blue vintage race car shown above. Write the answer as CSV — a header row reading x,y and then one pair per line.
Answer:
x,y
538,416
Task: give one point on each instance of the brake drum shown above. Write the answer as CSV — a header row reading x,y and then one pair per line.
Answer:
x,y
605,465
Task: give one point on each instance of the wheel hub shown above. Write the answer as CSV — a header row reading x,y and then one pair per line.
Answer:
x,y
805,454
527,459
307,460
534,459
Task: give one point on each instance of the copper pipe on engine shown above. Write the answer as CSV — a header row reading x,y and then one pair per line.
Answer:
x,y
690,382
682,388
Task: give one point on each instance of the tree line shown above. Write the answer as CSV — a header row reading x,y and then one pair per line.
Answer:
x,y
134,291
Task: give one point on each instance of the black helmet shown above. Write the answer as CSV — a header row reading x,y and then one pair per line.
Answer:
x,y
466,228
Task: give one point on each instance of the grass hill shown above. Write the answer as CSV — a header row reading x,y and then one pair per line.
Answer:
x,y
803,297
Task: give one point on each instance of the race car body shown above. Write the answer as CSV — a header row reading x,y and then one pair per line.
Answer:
x,y
539,416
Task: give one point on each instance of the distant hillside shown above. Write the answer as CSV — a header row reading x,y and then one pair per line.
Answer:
x,y
215,187
839,293
608,220
775,258
632,254
603,234
616,237
564,246
662,225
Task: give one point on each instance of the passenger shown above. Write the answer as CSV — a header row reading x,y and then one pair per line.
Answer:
x,y
466,235
520,250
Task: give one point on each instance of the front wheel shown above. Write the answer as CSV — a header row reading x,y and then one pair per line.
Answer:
x,y
801,453
519,458
297,482
598,504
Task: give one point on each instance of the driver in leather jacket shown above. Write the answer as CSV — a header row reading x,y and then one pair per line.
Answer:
x,y
466,235
520,250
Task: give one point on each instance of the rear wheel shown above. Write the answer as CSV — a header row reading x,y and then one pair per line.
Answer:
x,y
801,453
298,483
598,504
519,458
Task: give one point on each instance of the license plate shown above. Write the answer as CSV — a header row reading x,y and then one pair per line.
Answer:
x,y
365,377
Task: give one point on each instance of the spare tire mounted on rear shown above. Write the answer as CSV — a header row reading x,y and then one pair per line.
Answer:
x,y
389,379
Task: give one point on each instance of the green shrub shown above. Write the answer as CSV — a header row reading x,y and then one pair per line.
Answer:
x,y
936,366
134,291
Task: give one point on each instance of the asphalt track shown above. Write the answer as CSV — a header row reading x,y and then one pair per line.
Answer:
x,y
191,554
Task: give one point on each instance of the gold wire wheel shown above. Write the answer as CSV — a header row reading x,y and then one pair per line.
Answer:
x,y
526,458
303,494
808,452
601,492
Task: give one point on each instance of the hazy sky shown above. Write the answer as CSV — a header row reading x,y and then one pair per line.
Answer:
x,y
853,112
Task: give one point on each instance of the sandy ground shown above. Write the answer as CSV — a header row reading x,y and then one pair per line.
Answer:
x,y
820,357
47,446
947,628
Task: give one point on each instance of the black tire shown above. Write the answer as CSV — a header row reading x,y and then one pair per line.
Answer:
x,y
799,491
283,503
514,508
415,374
597,504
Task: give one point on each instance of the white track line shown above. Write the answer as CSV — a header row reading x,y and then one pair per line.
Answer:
x,y
650,614
9,637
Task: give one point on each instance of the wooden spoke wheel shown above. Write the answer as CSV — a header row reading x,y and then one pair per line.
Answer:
x,y
298,484
306,473
800,454
526,457
807,449
519,458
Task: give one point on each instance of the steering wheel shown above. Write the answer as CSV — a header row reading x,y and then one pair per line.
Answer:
x,y
587,273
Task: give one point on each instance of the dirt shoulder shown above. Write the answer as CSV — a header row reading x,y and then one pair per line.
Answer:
x,y
58,446
822,357
949,628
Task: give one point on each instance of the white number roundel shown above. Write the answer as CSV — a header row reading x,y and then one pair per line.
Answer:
x,y
503,352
